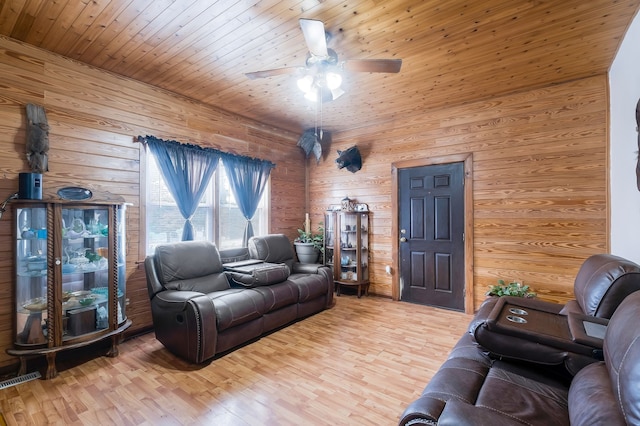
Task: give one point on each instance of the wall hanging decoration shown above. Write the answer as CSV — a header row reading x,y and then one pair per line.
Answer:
x,y
37,138
311,141
350,158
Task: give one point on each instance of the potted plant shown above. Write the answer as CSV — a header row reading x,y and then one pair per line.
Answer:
x,y
514,288
309,244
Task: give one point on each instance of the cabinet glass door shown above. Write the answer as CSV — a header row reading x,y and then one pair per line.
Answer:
x,y
364,247
349,225
85,271
329,232
121,259
31,275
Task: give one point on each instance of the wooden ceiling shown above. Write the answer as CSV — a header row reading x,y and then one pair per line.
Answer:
x,y
453,51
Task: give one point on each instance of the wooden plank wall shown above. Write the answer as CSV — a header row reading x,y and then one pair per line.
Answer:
x,y
539,167
539,181
94,116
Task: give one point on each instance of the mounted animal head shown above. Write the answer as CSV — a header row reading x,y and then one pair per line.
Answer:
x,y
350,158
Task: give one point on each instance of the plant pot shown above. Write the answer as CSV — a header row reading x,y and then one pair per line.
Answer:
x,y
307,253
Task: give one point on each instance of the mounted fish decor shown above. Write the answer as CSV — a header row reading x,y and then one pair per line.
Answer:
x,y
37,139
310,141
350,158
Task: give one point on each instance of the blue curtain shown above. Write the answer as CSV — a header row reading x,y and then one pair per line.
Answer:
x,y
187,170
248,177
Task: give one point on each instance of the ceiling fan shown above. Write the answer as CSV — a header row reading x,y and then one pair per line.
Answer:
x,y
320,78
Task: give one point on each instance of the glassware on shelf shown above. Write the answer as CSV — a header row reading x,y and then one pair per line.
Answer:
x,y
350,242
65,292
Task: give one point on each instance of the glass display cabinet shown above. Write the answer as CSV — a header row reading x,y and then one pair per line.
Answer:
x,y
329,240
70,285
347,249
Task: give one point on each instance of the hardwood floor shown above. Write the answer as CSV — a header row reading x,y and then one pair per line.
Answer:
x,y
359,363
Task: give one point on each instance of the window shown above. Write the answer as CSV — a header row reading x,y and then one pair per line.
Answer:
x,y
217,218
231,220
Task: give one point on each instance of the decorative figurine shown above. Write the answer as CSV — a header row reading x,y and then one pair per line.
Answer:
x,y
37,138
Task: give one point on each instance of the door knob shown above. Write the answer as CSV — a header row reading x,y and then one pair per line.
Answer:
x,y
403,240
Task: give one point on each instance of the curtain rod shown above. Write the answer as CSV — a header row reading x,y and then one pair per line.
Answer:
x,y
143,140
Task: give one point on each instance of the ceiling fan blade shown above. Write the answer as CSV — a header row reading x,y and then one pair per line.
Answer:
x,y
314,35
373,65
272,73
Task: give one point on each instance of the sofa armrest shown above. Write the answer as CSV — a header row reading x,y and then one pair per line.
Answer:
x,y
584,408
327,272
175,300
306,268
317,268
548,345
185,323
482,314
422,411
153,282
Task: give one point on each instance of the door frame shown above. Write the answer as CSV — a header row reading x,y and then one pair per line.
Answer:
x,y
467,159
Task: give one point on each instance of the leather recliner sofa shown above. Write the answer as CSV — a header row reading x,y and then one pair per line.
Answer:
x,y
199,309
602,282
537,383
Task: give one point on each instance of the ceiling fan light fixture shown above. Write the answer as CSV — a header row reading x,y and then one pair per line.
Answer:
x,y
322,75
305,83
312,94
334,80
336,93
321,85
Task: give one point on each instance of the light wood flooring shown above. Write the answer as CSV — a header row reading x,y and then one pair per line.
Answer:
x,y
359,363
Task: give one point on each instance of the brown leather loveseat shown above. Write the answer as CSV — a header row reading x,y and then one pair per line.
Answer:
x,y
537,383
201,309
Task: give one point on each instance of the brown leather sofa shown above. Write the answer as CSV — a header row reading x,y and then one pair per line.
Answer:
x,y
201,309
602,282
526,380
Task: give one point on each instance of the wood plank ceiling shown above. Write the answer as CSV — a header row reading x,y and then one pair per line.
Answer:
x,y
453,51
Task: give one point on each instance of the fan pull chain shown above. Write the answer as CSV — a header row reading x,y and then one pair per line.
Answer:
x,y
320,133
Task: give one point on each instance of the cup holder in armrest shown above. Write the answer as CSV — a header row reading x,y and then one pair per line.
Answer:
x,y
516,319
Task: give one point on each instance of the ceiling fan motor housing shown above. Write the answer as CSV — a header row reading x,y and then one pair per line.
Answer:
x,y
323,61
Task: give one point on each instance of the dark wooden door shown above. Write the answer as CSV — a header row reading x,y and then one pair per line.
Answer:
x,y
431,220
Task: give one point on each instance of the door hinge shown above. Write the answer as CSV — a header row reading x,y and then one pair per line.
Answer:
x,y
463,236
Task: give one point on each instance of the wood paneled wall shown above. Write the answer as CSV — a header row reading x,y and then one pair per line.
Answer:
x,y
94,117
539,182
539,167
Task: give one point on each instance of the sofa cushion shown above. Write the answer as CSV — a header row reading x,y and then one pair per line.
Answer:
x,y
458,413
261,275
191,266
279,295
519,393
310,286
236,306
